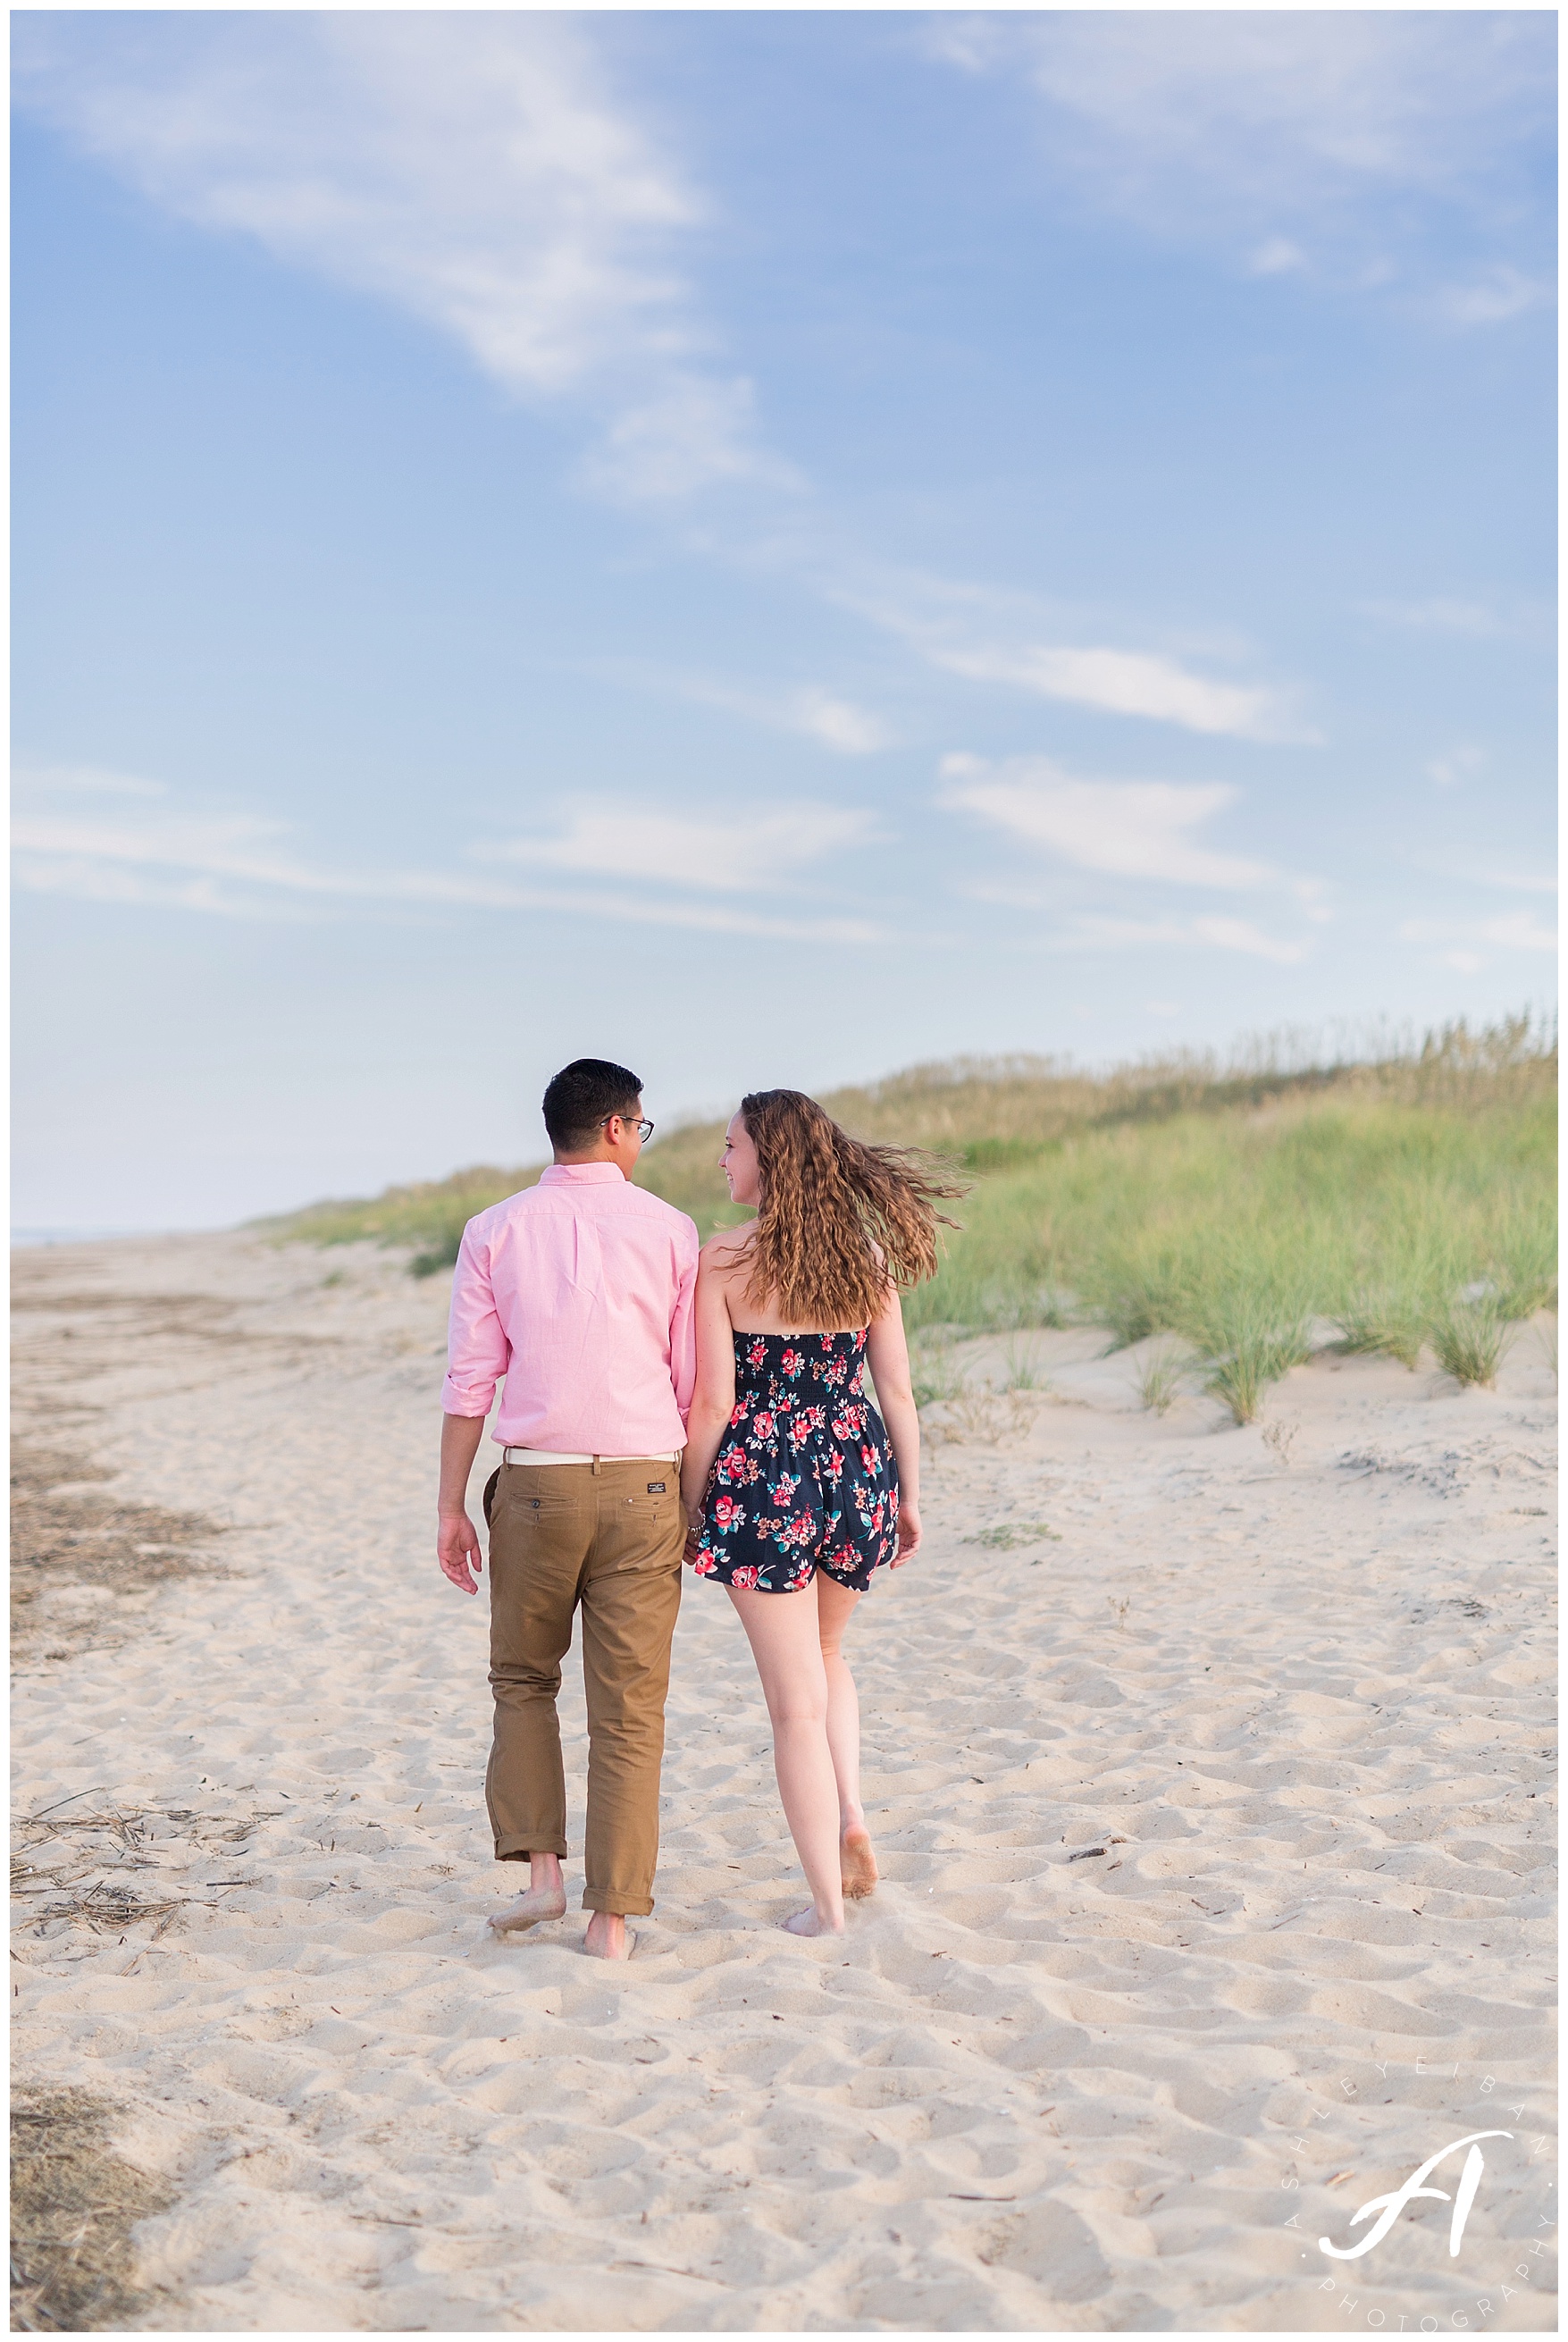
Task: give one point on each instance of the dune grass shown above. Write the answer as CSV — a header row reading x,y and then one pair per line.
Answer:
x,y
1408,1201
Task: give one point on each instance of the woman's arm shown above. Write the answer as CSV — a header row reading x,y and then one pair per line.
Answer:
x,y
887,1352
714,1400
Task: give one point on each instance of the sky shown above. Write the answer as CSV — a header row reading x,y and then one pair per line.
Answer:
x,y
770,547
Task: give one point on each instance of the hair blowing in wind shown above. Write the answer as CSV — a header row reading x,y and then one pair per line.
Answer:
x,y
829,1207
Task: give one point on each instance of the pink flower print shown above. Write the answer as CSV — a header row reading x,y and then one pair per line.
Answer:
x,y
833,1464
842,1428
764,1425
868,1457
744,1577
728,1513
792,1362
756,1353
738,1414
732,1465
784,1488
704,1566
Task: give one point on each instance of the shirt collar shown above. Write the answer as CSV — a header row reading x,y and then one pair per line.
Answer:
x,y
557,1174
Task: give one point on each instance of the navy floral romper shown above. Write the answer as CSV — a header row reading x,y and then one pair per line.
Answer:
x,y
805,1479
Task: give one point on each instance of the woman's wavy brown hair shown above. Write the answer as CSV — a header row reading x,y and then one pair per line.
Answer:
x,y
829,1207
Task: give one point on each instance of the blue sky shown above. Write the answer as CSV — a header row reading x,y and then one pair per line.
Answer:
x,y
768,546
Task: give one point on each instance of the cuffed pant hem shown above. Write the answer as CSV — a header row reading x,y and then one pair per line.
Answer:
x,y
515,1848
623,1906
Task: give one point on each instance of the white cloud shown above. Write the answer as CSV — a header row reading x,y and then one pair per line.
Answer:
x,y
809,709
837,723
1492,299
1457,765
989,636
1125,682
1277,257
1091,934
733,853
1517,931
237,866
1439,614
696,433
472,169
1131,829
1224,126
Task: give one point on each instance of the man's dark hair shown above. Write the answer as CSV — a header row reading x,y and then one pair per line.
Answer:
x,y
583,1095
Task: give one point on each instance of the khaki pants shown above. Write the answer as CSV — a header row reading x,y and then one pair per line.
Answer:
x,y
599,1536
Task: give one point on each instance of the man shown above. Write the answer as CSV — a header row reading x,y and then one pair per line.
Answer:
x,y
579,1291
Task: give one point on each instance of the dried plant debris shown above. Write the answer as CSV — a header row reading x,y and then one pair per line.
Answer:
x,y
1004,1535
69,1863
64,1532
74,2205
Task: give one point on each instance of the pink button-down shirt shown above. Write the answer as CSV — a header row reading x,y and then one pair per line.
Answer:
x,y
579,1292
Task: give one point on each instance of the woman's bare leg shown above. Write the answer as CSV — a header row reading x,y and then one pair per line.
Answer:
x,y
784,1633
857,1863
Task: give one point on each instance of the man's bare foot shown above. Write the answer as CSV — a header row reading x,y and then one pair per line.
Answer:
x,y
539,1903
857,1864
808,1923
607,1937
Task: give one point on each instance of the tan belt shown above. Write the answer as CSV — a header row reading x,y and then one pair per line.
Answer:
x,y
543,1455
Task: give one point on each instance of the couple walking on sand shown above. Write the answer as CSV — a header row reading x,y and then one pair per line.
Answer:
x,y
663,1402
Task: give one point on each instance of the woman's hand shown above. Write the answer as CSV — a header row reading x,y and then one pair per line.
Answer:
x,y
909,1535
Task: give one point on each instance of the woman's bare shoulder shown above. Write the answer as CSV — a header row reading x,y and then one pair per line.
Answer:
x,y
724,1249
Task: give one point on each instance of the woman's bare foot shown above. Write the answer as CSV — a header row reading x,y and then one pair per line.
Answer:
x,y
857,1864
607,1939
539,1903
810,1922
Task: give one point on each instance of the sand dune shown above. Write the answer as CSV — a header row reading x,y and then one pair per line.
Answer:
x,y
1209,1784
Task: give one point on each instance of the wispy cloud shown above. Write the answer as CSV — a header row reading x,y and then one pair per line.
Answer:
x,y
474,170
994,637
1500,293
1130,829
1124,683
1221,126
809,709
1438,614
1468,945
735,852
140,847
1090,933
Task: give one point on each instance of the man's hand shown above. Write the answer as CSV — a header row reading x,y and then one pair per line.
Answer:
x,y
458,1551
908,1536
456,1545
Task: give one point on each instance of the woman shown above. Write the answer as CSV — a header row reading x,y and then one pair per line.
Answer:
x,y
792,1496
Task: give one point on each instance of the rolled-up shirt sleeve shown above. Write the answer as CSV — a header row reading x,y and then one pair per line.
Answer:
x,y
478,1351
683,1328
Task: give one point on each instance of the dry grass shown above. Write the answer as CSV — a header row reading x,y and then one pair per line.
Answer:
x,y
997,1116
1004,1536
74,2206
64,1532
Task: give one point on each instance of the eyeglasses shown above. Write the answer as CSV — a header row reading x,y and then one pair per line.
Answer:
x,y
644,1130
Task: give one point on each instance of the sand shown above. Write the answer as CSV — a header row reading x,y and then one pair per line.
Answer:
x,y
1210,1791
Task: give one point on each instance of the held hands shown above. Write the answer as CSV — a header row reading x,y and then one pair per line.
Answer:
x,y
909,1533
458,1551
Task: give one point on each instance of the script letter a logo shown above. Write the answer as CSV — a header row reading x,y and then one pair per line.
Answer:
x,y
1389,2207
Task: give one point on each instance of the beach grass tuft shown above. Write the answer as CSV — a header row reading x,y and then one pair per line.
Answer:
x,y
1470,1338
